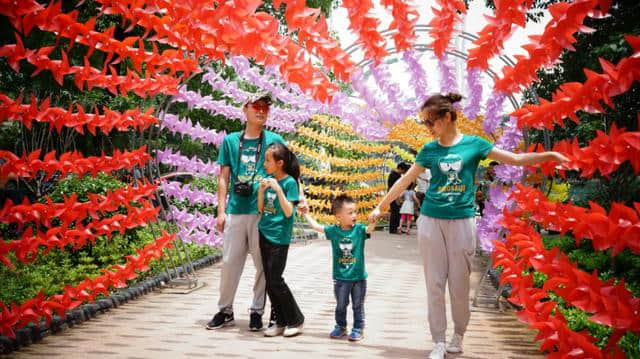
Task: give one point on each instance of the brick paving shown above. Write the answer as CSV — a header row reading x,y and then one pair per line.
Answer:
x,y
165,325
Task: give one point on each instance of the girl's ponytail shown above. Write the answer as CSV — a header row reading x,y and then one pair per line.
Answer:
x,y
284,154
293,166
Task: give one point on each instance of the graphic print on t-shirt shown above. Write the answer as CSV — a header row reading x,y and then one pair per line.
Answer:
x,y
347,259
451,165
248,165
270,206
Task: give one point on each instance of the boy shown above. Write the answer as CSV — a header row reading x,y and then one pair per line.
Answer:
x,y
349,275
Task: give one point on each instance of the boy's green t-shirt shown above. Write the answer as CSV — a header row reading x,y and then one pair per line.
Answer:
x,y
245,168
348,251
274,225
451,193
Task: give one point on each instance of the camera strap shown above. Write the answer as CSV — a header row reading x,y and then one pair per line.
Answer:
x,y
258,150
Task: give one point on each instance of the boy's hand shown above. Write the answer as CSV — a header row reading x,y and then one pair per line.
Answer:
x,y
374,215
303,207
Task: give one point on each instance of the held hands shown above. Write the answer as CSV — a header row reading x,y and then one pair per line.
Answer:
x,y
374,215
303,207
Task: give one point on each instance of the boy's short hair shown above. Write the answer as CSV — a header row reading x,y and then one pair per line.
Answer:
x,y
339,202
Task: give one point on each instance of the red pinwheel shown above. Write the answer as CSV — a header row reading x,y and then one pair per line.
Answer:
x,y
443,24
567,19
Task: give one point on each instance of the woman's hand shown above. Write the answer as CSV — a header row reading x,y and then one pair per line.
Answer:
x,y
374,215
557,156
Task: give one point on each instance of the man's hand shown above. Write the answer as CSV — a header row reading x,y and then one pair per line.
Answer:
x,y
220,221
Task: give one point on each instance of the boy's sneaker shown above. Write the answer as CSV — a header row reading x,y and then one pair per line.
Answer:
x,y
220,320
274,331
356,335
437,352
455,345
338,332
255,322
292,331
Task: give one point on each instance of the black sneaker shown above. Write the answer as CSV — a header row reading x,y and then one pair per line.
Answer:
x,y
220,320
255,322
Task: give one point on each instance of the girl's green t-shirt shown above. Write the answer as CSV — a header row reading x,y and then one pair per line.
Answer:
x,y
274,225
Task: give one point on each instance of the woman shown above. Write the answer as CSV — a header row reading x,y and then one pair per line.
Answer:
x,y
446,227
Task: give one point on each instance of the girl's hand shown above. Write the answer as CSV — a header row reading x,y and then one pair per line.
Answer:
x,y
262,186
271,182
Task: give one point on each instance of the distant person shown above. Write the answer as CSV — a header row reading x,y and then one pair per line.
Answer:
x,y
394,213
407,209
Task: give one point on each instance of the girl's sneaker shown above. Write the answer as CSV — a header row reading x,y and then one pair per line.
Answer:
x,y
356,335
338,332
292,331
273,331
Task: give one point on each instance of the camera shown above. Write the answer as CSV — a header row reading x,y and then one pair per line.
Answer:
x,y
244,189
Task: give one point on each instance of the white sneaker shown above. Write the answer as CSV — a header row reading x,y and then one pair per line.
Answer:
x,y
273,331
437,352
455,345
292,331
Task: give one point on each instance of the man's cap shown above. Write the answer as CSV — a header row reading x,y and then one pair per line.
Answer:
x,y
258,96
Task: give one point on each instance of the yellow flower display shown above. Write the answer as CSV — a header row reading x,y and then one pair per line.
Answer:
x,y
331,219
334,161
341,177
323,191
325,204
410,133
346,145
335,124
405,155
415,135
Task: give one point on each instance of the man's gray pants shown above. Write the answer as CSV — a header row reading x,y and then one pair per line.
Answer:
x,y
241,237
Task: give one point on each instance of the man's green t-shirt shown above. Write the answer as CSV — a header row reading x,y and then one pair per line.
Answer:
x,y
245,168
274,225
348,252
451,193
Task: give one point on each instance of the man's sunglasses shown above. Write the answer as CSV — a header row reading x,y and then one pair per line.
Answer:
x,y
260,106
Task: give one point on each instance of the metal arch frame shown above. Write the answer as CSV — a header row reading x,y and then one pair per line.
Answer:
x,y
351,49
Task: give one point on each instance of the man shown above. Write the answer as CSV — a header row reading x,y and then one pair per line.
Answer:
x,y
394,219
241,160
484,184
422,185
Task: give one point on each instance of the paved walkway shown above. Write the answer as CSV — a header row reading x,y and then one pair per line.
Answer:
x,y
163,325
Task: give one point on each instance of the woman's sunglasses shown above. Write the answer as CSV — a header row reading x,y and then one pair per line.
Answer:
x,y
426,119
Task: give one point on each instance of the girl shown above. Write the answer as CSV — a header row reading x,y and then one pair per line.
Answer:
x,y
406,211
446,227
277,200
